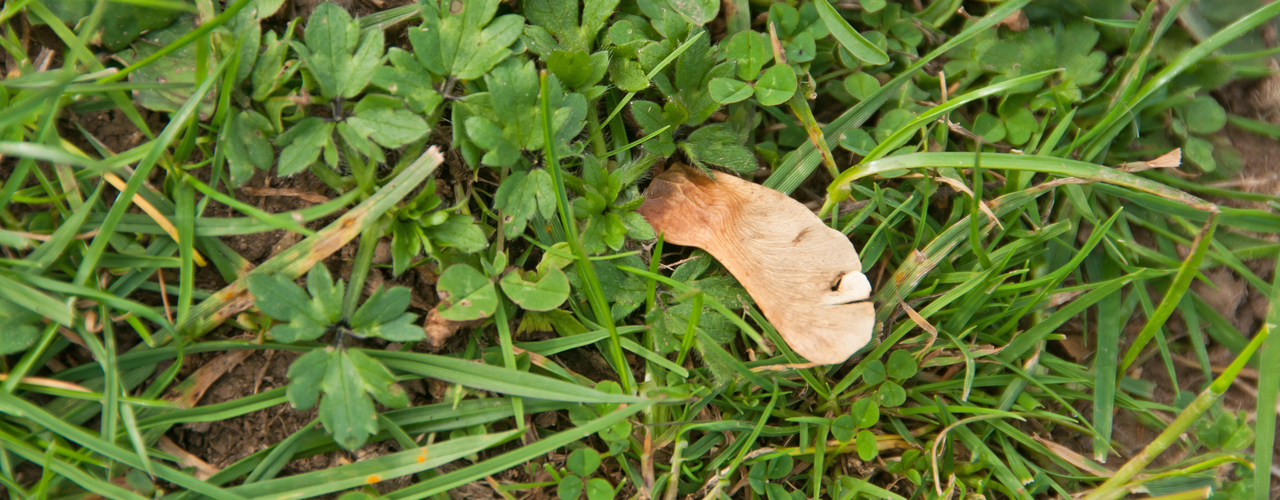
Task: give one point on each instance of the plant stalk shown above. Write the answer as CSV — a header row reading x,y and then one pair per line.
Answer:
x,y
595,295
1116,487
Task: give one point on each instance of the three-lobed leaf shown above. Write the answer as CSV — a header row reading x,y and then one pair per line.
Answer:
x,y
283,300
463,39
390,128
383,315
305,375
776,85
717,145
302,143
561,20
572,68
522,195
244,141
408,79
346,410
325,294
341,59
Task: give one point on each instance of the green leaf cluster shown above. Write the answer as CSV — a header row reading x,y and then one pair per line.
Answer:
x,y
346,377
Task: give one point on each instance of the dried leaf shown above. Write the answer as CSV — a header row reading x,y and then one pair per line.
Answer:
x,y
806,277
186,459
440,329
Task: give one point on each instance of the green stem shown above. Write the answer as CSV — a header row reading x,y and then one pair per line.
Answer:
x,y
360,269
598,147
1268,388
651,287
508,354
1189,269
800,107
694,316
275,220
595,294
1115,487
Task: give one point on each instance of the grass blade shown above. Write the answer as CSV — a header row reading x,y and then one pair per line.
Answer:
x,y
595,291
299,258
1268,391
1189,269
1115,487
495,378
510,459
788,176
20,408
849,37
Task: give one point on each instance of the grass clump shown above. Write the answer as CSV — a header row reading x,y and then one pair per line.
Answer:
x,y
1032,188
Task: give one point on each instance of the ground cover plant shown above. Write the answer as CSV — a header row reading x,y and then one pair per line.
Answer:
x,y
269,249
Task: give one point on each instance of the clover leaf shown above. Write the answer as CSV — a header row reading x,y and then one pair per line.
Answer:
x,y
465,294
19,327
541,294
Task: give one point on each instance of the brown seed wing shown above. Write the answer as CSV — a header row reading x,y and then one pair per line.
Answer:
x,y
805,276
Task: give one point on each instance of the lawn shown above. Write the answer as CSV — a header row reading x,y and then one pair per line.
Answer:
x,y
270,249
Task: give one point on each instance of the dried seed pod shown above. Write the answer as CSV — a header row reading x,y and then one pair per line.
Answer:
x,y
805,276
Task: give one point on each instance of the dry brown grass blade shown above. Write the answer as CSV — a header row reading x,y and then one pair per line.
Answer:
x,y
982,204
48,382
293,193
298,259
155,215
1172,159
918,319
185,459
189,392
1073,458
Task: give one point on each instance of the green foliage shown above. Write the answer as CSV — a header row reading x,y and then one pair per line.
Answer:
x,y
466,294
463,39
337,55
247,148
528,234
19,325
121,23
609,212
176,70
346,377
423,225
543,293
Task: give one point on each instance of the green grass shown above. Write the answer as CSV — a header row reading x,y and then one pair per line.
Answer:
x,y
1033,278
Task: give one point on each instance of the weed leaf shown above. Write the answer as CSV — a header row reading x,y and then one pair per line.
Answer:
x,y
465,294
544,294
